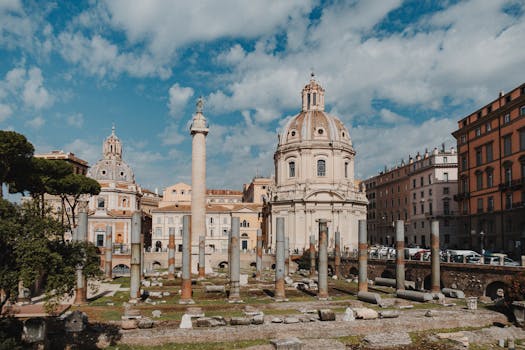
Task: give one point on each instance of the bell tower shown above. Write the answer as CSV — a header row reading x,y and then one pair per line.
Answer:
x,y
313,96
112,148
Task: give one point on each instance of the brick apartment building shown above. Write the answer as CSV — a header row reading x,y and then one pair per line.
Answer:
x,y
491,194
416,192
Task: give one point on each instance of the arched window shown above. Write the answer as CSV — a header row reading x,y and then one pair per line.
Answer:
x,y
346,169
315,99
211,220
321,167
291,169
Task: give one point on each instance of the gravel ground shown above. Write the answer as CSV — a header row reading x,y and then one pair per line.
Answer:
x,y
322,335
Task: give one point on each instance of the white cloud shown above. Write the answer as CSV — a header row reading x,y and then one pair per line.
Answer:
x,y
390,117
86,150
98,56
35,95
76,120
380,146
178,98
35,123
5,112
172,135
28,86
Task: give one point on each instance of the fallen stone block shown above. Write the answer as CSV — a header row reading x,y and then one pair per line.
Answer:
x,y
243,280
290,320
277,320
156,313
369,297
207,322
215,289
240,321
145,323
388,314
453,293
128,324
258,319
349,315
288,280
287,344
365,313
220,320
185,322
326,315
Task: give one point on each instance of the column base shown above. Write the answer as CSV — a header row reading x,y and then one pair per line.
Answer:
x,y
186,301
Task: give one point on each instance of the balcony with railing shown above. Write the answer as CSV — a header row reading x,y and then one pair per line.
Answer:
x,y
512,185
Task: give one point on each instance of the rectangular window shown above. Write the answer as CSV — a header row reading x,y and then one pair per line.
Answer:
x,y
508,175
479,181
522,110
414,210
463,138
522,139
414,195
508,201
490,204
414,183
422,194
430,208
507,145
445,160
422,209
445,177
464,162
158,231
446,207
291,168
479,154
422,181
430,179
422,225
490,179
430,192
488,127
488,152
100,239
506,118
480,205
478,131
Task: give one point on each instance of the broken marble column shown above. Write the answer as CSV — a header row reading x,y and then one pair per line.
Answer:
x,y
434,243
202,257
108,266
279,260
337,259
363,255
81,292
312,255
400,254
322,293
134,290
258,258
171,254
287,256
235,263
186,292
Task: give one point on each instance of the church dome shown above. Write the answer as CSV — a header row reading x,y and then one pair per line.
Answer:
x,y
313,123
111,167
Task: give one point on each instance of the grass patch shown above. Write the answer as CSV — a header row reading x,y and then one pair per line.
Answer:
x,y
117,299
241,344
123,281
351,339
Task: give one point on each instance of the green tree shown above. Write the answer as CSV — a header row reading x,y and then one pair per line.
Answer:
x,y
32,250
71,188
15,159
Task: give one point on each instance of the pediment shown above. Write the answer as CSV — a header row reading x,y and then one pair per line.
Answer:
x,y
324,196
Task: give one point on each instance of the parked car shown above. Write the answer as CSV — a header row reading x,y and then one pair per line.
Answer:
x,y
422,252
496,260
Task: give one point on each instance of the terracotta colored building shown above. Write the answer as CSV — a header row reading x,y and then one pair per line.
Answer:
x,y
416,192
491,194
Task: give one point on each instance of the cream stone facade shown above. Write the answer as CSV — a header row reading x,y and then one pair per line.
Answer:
x,y
314,177
118,199
180,194
218,225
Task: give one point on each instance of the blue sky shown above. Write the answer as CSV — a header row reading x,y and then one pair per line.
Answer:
x,y
399,74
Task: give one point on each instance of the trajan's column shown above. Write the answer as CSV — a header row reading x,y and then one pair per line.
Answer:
x,y
199,130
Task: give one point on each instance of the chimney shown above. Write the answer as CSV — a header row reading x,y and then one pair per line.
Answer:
x,y
452,151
